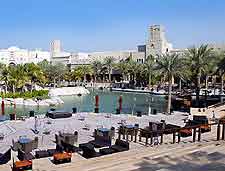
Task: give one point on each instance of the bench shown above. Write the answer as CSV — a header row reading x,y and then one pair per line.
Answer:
x,y
120,146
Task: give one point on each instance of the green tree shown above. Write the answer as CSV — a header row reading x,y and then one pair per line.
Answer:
x,y
86,70
221,70
77,74
122,66
108,63
4,76
199,59
17,77
55,72
133,69
149,66
96,68
170,66
34,73
68,76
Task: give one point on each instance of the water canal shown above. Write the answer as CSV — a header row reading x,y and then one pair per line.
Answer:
x,y
108,102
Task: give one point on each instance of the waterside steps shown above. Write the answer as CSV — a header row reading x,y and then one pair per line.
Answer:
x,y
132,159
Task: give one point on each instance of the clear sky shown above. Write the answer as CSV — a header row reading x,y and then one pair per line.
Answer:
x,y
99,25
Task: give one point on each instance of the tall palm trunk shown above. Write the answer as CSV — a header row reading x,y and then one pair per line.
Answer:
x,y
13,87
169,95
95,78
103,78
54,81
6,87
135,80
180,85
31,86
221,88
206,82
198,89
110,75
85,78
149,80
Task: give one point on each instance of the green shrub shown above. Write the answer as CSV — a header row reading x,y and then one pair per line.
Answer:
x,y
43,94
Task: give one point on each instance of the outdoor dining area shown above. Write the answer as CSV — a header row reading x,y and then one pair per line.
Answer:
x,y
156,130
105,140
102,144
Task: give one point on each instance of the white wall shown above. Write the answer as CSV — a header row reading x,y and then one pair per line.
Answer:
x,y
22,56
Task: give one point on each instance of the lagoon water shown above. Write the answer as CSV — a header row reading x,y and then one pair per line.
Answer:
x,y
108,102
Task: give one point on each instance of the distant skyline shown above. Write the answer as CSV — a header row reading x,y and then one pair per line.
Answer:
x,y
108,25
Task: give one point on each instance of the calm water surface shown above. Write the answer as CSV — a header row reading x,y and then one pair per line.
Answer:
x,y
108,102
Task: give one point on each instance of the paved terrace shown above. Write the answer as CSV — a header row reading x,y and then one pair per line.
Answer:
x,y
167,156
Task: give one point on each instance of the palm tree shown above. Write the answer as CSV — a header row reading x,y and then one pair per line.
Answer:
x,y
34,73
77,74
221,70
149,66
199,58
68,76
170,66
86,70
122,66
96,68
5,76
17,77
55,72
133,69
108,63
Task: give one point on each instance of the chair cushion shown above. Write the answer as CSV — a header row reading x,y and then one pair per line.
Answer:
x,y
118,148
121,143
41,154
105,151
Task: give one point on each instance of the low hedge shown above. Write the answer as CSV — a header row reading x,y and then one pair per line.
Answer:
x,y
28,94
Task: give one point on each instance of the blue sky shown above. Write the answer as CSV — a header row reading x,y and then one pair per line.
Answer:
x,y
99,25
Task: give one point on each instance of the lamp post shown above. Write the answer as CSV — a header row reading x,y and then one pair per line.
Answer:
x,y
96,104
120,104
149,107
133,105
3,106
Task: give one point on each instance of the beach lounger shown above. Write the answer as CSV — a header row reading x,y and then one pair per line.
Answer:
x,y
106,151
88,150
5,157
41,154
22,165
120,146
64,157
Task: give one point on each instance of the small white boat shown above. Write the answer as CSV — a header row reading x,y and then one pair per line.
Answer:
x,y
209,92
154,92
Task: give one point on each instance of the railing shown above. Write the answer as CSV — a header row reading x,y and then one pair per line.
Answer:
x,y
195,129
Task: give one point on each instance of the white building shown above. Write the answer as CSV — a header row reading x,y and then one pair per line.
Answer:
x,y
38,55
55,48
62,57
116,55
157,43
15,55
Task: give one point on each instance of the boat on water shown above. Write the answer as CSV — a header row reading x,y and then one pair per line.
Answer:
x,y
160,92
209,92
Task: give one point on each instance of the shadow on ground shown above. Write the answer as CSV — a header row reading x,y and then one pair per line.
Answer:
x,y
197,161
